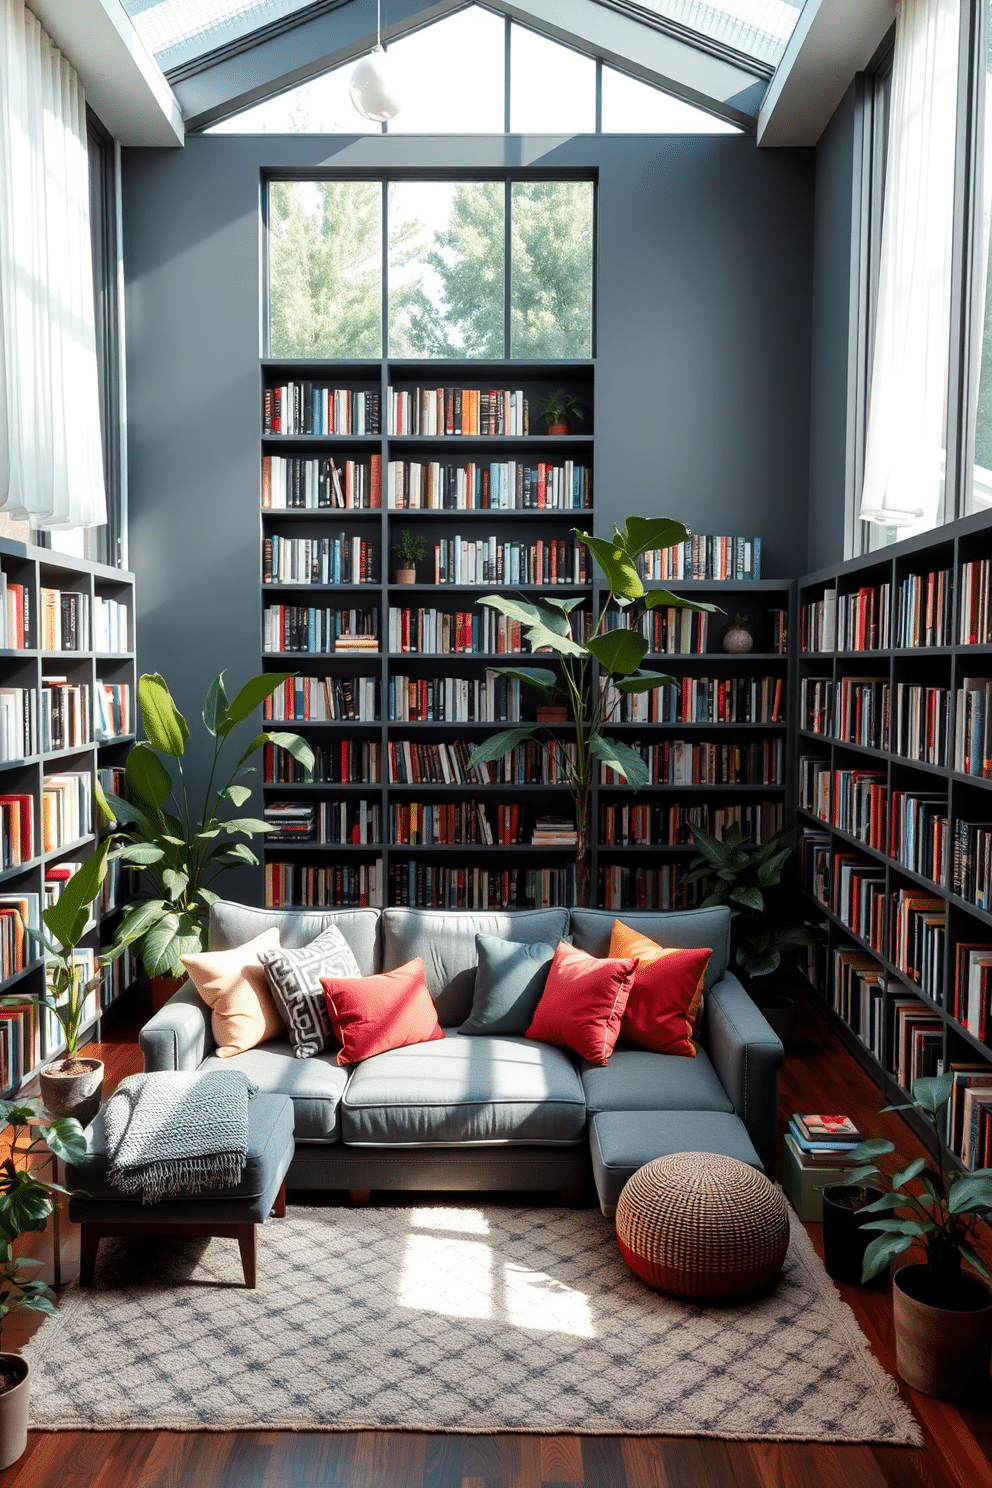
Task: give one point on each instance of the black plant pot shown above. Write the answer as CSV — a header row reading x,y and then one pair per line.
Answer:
x,y
844,1240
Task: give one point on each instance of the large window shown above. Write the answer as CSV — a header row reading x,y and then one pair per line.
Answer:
x,y
979,486
473,269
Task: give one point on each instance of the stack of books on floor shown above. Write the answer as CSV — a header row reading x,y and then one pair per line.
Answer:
x,y
817,1153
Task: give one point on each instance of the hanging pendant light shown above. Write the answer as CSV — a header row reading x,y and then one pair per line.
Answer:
x,y
373,84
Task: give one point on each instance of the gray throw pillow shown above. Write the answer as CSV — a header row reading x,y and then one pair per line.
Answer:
x,y
294,978
508,985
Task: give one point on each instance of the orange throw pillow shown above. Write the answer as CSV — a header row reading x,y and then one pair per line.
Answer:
x,y
372,1014
583,1002
667,994
235,988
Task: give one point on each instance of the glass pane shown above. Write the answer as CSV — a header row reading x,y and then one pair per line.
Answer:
x,y
321,106
452,76
325,269
175,31
981,485
446,268
633,107
552,87
551,272
758,28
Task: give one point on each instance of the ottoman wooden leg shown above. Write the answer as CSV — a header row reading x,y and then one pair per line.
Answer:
x,y
89,1240
279,1206
248,1243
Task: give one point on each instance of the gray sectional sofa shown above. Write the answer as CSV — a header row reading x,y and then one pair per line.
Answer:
x,y
496,1113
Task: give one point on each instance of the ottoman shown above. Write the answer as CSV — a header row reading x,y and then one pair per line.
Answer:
x,y
702,1226
232,1213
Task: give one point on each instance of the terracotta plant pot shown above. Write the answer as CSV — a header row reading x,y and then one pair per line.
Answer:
x,y
559,428
406,576
162,989
844,1241
737,639
73,1087
942,1351
14,1410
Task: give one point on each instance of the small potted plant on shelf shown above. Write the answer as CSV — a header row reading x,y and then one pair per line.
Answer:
x,y
409,550
942,1313
71,1085
25,1204
737,637
560,409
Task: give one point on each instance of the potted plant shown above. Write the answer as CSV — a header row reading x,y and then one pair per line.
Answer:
x,y
942,1313
178,850
25,1203
408,551
737,637
845,1237
594,673
71,1085
560,409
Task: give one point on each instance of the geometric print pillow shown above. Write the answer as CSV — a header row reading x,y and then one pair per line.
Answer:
x,y
294,977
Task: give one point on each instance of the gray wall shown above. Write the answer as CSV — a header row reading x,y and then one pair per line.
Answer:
x,y
702,380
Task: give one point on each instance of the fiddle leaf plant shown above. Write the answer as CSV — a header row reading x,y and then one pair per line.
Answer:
x,y
592,675
179,850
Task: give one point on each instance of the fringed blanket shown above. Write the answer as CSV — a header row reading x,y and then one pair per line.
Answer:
x,y
170,1134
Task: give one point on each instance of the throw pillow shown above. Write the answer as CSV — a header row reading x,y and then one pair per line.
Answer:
x,y
372,1014
667,994
294,978
233,985
583,1002
508,985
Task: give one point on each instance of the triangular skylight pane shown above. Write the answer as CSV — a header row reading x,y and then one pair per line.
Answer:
x,y
451,75
758,28
176,31
552,87
321,106
633,107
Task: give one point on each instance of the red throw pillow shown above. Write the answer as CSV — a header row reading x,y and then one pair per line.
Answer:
x,y
583,1002
375,1013
667,994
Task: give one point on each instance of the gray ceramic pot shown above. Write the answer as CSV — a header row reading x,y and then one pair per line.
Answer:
x,y
77,1094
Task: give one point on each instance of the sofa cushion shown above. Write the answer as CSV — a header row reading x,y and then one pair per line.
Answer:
x,y
592,928
234,987
232,924
315,1085
508,984
620,1142
444,939
294,978
667,995
583,1002
637,1080
465,1091
371,1015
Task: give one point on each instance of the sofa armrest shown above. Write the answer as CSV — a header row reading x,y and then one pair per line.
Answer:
x,y
746,1055
179,1036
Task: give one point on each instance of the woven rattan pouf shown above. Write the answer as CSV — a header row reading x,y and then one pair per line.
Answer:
x,y
699,1225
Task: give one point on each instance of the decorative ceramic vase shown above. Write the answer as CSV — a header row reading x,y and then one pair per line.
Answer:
x,y
737,639
942,1351
406,576
559,428
73,1092
844,1239
14,1411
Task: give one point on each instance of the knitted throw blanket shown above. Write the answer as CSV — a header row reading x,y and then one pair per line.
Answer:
x,y
170,1134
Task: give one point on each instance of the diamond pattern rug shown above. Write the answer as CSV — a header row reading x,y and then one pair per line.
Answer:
x,y
451,1319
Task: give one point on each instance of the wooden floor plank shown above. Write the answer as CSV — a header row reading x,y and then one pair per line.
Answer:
x,y
561,1459
602,1462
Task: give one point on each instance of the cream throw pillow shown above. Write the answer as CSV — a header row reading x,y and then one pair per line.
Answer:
x,y
235,988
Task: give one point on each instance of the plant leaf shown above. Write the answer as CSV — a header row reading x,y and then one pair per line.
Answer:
x,y
497,745
215,706
294,744
147,777
913,1170
641,681
622,577
66,1138
236,794
531,676
642,534
881,1251
141,854
619,652
67,917
970,1195
932,1092
871,1148
161,719
621,758
655,598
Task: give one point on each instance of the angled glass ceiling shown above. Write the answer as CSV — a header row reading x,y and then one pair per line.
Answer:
x,y
177,32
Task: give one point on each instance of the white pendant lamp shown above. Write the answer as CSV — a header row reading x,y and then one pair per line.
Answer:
x,y
373,84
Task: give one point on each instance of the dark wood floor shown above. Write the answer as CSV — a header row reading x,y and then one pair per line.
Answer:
x,y
958,1452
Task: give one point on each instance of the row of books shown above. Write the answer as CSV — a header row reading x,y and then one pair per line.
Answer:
x,y
674,632
413,763
857,995
315,630
626,825
444,823
702,700
488,699
111,626
681,762
924,613
305,699
972,990
973,727
19,913
15,615
435,886
17,832
308,407
974,611
351,761
918,833
853,709
113,711
481,631
317,886
703,556
312,483
500,485
18,723
319,560
66,809
64,620
355,822
434,412
971,862
624,887
853,800
488,560
65,713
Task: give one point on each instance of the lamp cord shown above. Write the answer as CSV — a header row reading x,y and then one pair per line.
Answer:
x,y
378,23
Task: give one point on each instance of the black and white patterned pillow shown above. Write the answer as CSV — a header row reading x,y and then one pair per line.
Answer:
x,y
294,977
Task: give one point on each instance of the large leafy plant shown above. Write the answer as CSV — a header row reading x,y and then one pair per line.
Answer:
x,y
739,873
26,1200
942,1216
179,850
591,673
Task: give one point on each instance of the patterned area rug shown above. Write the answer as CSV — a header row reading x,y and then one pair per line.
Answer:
x,y
451,1319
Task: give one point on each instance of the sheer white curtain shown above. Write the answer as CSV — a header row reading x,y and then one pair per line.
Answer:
x,y
51,460
908,390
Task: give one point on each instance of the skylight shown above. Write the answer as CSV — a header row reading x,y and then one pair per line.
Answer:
x,y
759,29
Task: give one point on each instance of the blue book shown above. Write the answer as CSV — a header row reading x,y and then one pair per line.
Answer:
x,y
805,1145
